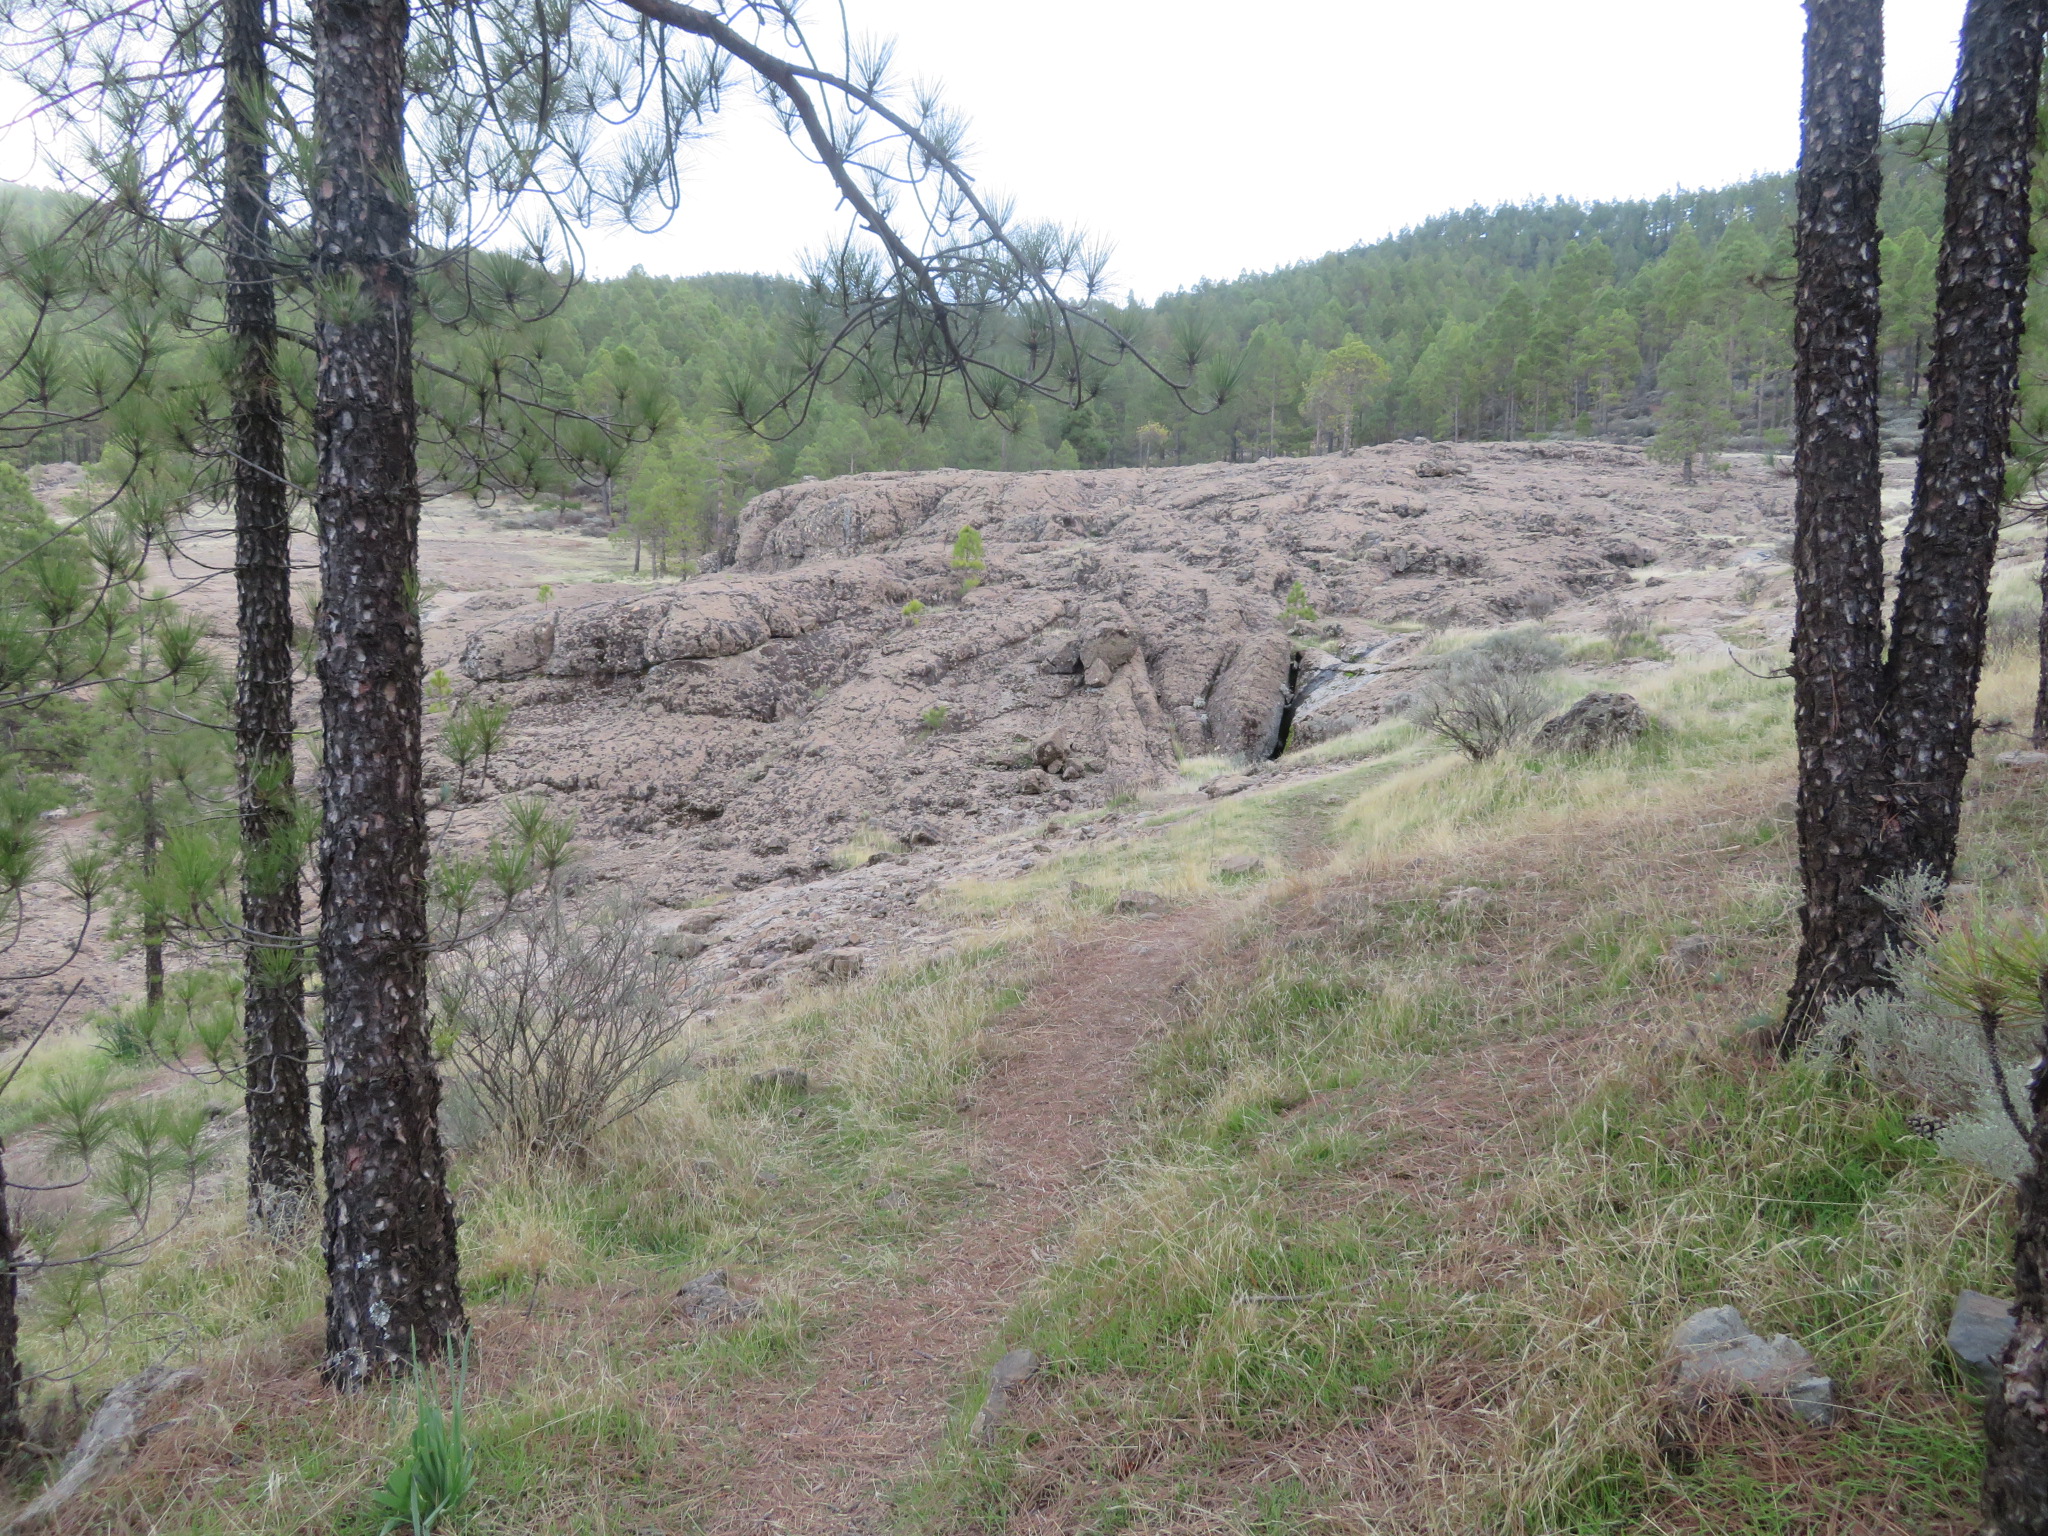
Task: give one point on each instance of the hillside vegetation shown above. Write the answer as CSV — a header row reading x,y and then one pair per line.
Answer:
x,y
1490,323
1358,1189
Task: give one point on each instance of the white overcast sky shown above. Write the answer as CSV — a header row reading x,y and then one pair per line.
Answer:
x,y
1202,140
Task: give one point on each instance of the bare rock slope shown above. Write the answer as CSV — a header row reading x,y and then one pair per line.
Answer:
x,y
765,715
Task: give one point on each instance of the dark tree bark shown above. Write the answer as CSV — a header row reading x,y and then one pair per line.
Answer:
x,y
274,1014
1942,607
1838,557
390,1226
1937,641
11,1431
2040,732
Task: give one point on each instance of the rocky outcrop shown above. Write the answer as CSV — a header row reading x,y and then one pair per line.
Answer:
x,y
836,680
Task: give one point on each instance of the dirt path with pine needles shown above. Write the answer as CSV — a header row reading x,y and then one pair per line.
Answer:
x,y
894,1362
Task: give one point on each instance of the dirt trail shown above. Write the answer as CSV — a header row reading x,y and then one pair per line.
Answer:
x,y
1043,1119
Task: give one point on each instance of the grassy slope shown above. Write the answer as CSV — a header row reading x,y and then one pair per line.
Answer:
x,y
1419,1184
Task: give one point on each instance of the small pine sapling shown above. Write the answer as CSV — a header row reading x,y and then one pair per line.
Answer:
x,y
969,558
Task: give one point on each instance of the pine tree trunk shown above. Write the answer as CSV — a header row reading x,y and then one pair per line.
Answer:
x,y
274,1015
1943,601
1838,557
2040,736
389,1232
152,918
10,1331
1937,643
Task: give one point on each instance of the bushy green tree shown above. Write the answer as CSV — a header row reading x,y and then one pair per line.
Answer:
x,y
1694,421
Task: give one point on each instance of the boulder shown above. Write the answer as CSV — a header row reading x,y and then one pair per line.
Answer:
x,y
1595,723
710,1301
1629,554
511,648
1714,1357
1978,1332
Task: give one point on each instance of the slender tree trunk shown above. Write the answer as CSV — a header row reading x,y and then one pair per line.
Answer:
x,y
1937,641
1838,556
1943,602
273,996
389,1231
10,1330
2016,1418
152,917
2040,737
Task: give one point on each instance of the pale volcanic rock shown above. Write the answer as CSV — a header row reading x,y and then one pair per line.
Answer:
x,y
1134,617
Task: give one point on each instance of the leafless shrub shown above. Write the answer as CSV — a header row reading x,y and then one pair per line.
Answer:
x,y
1483,700
561,1026
2011,632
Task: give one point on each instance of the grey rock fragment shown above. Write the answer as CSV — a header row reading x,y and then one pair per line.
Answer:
x,y
711,1301
1692,954
1978,1332
1714,1357
837,964
1598,721
1008,1373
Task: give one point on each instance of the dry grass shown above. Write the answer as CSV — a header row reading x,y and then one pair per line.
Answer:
x,y
1440,1146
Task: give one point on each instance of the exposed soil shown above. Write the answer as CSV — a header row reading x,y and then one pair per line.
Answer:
x,y
1043,1119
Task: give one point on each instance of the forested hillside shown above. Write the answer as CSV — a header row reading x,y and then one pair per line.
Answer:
x,y
1500,323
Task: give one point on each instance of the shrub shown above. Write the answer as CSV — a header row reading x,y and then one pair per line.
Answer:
x,y
1489,695
1481,710
1959,1033
561,1026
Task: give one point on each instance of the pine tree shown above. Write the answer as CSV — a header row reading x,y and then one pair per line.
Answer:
x,y
1694,421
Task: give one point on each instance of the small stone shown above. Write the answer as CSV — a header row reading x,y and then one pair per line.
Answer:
x,y
1008,1373
711,1301
1692,954
1978,1332
1229,784
1242,866
1014,1369
2022,759
1036,781
1138,904
838,964
1714,1357
782,1080
1098,673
